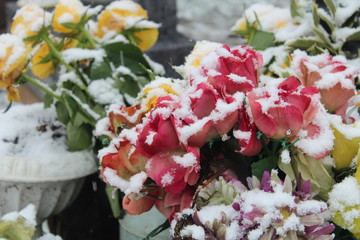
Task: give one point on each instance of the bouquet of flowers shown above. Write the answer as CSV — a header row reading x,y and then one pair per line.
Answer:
x,y
86,58
236,150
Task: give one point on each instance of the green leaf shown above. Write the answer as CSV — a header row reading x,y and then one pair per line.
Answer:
x,y
265,164
327,21
48,100
80,94
149,72
62,113
128,55
353,37
331,6
71,106
8,107
78,137
113,198
315,14
324,39
262,40
100,71
309,168
294,9
128,85
158,230
70,25
305,43
47,58
82,117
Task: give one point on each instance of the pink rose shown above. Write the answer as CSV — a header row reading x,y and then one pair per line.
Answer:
x,y
171,203
333,77
246,134
232,70
127,161
283,107
174,170
204,114
136,204
158,133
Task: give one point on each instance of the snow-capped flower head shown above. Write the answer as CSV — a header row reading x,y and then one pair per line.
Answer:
x,y
270,209
29,20
267,17
333,76
158,133
174,170
122,165
12,61
67,12
283,107
40,68
122,117
344,204
232,70
159,87
192,66
212,215
346,143
125,14
204,114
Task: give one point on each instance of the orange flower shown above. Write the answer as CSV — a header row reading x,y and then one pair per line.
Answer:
x,y
29,20
12,62
121,15
40,69
67,11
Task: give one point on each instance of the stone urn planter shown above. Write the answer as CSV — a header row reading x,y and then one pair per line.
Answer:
x,y
35,165
137,227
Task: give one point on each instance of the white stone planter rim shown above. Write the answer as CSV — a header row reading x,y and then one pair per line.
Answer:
x,y
45,179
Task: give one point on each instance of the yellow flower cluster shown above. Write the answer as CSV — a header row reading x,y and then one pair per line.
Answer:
x,y
121,15
32,43
12,61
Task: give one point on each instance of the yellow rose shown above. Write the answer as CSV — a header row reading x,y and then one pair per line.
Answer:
x,y
121,15
346,143
114,17
29,20
201,49
160,87
344,205
146,38
67,11
42,70
12,61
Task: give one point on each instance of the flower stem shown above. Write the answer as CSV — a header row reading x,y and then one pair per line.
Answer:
x,y
41,86
55,52
92,41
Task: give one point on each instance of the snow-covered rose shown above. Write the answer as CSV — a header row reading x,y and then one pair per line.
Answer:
x,y
333,77
283,107
174,170
158,133
233,70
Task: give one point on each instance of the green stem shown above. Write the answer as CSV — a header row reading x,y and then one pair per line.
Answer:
x,y
55,52
58,56
92,41
41,86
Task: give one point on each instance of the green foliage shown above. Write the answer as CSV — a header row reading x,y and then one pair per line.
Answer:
x,y
79,137
265,164
114,200
18,230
